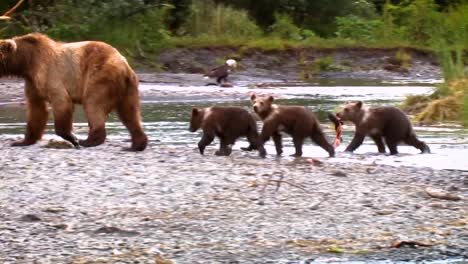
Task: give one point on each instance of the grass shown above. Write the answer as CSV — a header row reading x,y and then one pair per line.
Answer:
x,y
271,43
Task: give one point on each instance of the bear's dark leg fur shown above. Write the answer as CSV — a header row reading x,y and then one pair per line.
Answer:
x,y
412,140
63,122
356,142
129,114
254,140
224,149
278,143
298,141
36,123
97,125
392,145
206,139
319,138
379,142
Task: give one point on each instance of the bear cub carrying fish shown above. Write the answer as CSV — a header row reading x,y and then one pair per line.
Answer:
x,y
380,123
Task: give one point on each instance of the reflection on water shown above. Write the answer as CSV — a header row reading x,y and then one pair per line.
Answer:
x,y
167,121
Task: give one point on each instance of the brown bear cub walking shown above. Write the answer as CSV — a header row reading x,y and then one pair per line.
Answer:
x,y
228,124
296,121
90,73
385,122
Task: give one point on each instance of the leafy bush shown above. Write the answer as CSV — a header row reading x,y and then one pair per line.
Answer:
x,y
210,19
285,28
358,28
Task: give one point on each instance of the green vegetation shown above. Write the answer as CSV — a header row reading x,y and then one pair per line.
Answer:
x,y
150,25
448,37
141,28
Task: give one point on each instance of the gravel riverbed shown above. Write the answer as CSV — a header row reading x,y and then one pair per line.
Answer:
x,y
104,205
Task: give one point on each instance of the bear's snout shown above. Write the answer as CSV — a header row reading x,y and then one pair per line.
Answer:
x,y
255,108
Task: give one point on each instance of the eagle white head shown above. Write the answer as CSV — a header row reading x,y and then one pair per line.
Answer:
x,y
231,63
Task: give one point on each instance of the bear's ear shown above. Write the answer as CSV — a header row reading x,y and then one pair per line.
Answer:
x,y
7,46
271,99
195,111
359,104
253,96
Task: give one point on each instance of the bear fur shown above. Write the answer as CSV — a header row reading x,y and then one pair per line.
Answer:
x,y
90,73
296,121
228,124
380,123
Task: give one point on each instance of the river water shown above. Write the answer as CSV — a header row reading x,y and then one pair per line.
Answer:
x,y
166,111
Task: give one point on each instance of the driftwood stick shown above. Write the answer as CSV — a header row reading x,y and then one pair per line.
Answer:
x,y
440,194
278,182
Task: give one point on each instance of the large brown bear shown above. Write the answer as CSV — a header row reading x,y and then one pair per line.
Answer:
x,y
385,122
296,121
228,124
91,73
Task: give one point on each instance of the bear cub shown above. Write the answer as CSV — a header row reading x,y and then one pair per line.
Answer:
x,y
228,124
296,121
380,123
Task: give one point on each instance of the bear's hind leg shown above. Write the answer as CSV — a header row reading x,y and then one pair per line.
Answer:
x,y
412,140
63,121
129,113
298,141
255,142
37,115
379,142
319,138
224,147
97,124
392,146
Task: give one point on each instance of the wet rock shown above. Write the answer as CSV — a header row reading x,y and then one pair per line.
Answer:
x,y
385,212
198,183
115,230
61,226
339,174
58,144
54,210
30,218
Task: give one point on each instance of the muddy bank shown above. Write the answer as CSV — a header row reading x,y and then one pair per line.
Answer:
x,y
292,65
108,206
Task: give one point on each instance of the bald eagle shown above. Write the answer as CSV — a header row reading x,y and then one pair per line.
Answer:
x,y
221,72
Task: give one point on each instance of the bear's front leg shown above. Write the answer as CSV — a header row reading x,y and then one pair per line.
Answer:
x,y
37,115
249,148
356,142
206,139
278,143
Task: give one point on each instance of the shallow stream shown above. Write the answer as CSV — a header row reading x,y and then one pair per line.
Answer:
x,y
166,109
